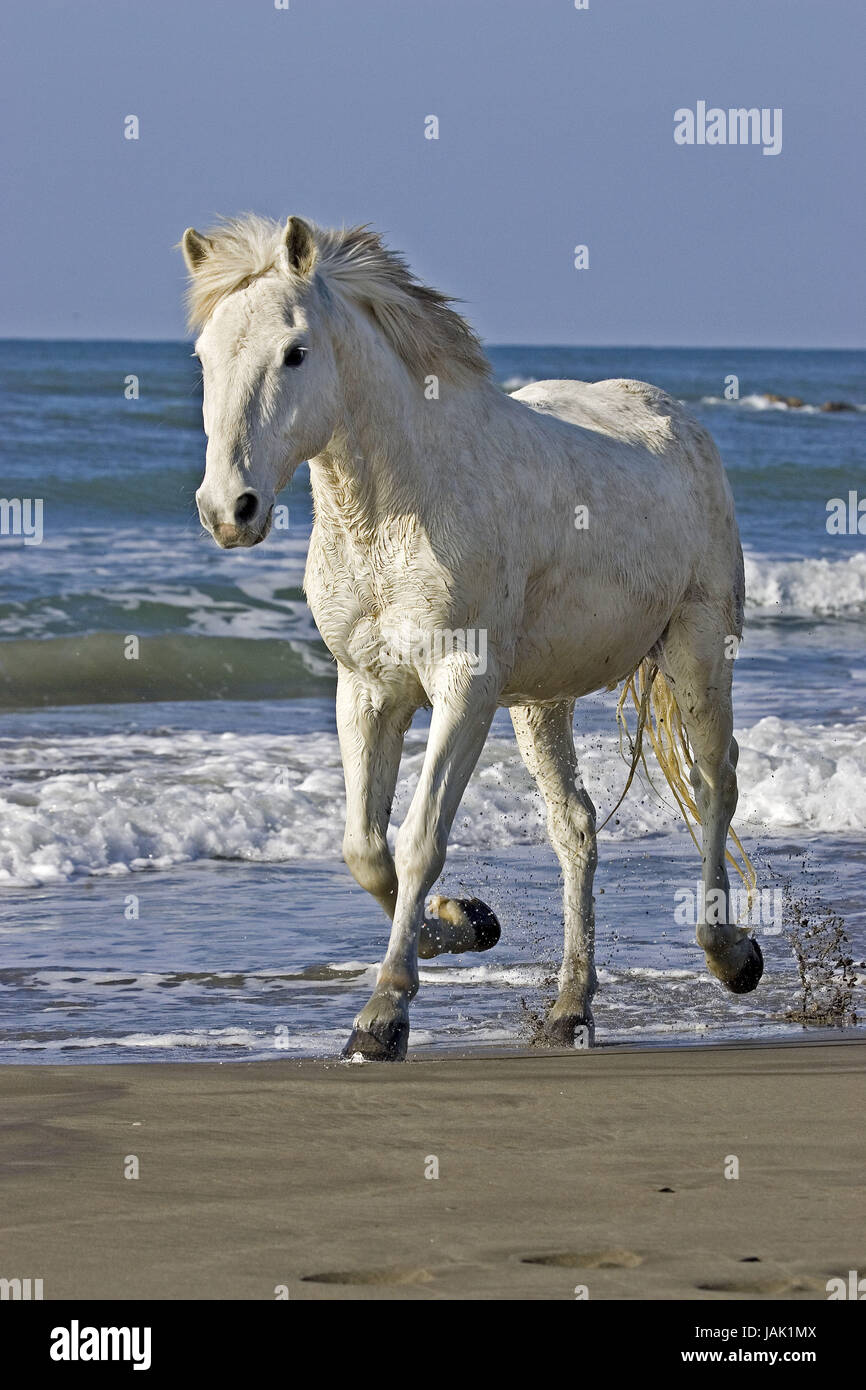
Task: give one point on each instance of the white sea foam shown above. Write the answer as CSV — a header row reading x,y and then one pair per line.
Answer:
x,y
803,775
135,801
515,383
253,1044
801,588
245,1040
502,976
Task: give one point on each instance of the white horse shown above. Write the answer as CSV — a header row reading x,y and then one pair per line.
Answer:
x,y
445,507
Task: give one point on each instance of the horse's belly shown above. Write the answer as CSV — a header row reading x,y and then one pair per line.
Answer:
x,y
565,664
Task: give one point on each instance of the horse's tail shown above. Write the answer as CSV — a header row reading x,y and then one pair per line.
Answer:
x,y
658,716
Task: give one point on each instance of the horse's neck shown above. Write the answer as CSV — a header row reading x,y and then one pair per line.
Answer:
x,y
394,450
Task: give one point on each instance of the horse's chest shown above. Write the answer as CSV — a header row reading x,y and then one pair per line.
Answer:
x,y
348,612
360,605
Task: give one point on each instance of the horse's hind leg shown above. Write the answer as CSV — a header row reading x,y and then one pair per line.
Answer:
x,y
696,665
546,742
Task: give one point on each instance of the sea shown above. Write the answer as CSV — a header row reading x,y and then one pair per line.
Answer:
x,y
171,794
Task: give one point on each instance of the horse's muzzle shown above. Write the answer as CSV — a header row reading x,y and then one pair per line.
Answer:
x,y
232,536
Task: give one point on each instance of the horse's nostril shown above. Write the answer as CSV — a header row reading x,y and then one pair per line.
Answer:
x,y
245,508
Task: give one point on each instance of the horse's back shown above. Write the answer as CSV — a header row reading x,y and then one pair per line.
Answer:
x,y
634,412
639,429
658,495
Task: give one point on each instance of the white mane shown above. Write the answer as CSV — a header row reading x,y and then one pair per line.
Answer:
x,y
418,321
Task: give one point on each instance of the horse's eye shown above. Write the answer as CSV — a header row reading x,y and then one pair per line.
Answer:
x,y
294,356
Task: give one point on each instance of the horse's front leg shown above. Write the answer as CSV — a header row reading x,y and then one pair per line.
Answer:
x,y
458,728
371,724
371,727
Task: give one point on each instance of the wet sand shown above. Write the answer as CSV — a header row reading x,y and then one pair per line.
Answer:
x,y
603,1169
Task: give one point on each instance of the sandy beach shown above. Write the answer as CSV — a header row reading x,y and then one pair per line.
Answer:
x,y
602,1169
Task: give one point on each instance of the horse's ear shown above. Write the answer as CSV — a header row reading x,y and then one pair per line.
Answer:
x,y
300,245
196,248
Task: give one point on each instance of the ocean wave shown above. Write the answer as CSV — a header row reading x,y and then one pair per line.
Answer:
x,y
257,638
768,400
95,670
803,588
136,801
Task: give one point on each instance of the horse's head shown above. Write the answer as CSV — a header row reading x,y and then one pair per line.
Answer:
x,y
270,378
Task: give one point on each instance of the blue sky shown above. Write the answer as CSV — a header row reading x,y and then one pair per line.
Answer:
x,y
556,128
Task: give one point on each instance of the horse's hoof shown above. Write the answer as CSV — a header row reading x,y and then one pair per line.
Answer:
x,y
380,1034
568,1030
749,973
455,925
374,1049
484,920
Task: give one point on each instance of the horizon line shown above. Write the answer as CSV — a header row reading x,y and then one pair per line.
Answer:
x,y
582,347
